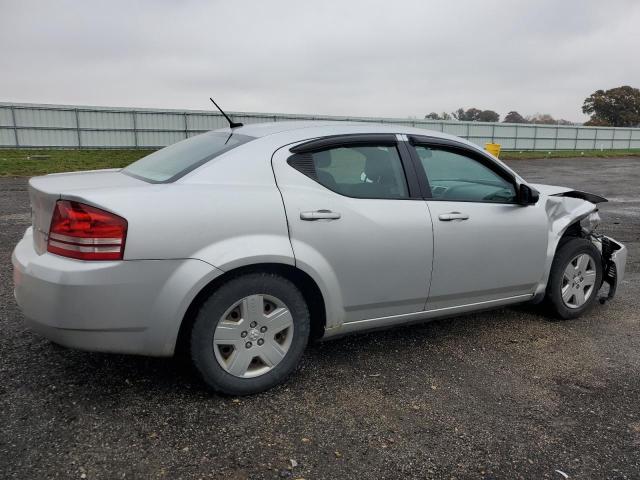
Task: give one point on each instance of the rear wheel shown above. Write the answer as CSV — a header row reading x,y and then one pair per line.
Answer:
x,y
250,334
575,278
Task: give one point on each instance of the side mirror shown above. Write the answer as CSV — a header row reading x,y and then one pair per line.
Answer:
x,y
527,195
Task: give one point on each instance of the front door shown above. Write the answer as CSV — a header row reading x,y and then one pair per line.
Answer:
x,y
487,247
355,222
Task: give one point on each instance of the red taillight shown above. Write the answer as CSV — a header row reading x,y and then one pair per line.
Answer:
x,y
86,233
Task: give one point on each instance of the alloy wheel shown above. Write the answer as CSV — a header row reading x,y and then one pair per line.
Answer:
x,y
578,280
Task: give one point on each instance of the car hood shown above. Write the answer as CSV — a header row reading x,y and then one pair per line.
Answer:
x,y
553,190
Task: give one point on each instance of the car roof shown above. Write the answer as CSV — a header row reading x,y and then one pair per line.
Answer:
x,y
272,136
299,130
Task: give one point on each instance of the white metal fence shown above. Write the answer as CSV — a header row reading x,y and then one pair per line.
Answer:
x,y
25,125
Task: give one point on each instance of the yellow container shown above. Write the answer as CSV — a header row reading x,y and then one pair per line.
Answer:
x,y
493,149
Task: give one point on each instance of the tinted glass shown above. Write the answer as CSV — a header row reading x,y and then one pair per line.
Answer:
x,y
364,172
453,176
174,161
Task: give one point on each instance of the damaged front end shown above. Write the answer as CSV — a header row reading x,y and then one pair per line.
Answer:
x,y
614,258
573,213
613,254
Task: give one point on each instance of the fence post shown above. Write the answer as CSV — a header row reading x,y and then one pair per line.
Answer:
x,y
595,140
493,133
575,143
186,125
535,135
135,130
78,127
555,140
15,125
630,135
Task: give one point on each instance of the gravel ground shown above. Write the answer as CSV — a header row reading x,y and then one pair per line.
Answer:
x,y
501,394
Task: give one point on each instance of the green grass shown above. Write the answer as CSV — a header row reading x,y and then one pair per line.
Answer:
x,y
27,163
514,155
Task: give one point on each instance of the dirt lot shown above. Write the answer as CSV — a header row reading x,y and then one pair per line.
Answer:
x,y
503,394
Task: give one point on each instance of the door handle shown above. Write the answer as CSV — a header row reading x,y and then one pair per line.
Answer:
x,y
448,217
319,215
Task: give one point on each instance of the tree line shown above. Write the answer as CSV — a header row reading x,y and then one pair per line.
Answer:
x,y
617,107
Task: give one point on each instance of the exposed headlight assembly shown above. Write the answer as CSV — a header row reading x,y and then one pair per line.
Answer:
x,y
590,222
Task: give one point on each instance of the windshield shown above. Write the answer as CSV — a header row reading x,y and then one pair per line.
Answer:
x,y
174,161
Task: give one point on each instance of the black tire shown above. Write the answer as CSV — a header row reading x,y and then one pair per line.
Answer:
x,y
202,352
566,252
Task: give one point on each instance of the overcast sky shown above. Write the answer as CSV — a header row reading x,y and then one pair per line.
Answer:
x,y
369,58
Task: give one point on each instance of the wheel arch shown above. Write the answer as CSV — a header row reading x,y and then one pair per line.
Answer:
x,y
573,230
308,287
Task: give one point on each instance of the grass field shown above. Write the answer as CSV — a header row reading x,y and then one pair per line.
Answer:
x,y
570,154
27,162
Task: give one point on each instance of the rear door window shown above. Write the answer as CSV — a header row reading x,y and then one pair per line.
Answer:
x,y
356,171
172,162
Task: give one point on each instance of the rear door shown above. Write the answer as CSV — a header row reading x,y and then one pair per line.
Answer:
x,y
358,221
487,247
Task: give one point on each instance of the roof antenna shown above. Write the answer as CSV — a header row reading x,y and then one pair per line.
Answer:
x,y
232,124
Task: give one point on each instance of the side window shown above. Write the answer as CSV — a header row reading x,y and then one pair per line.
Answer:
x,y
456,177
356,171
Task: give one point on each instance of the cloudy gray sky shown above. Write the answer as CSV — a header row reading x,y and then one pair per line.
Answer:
x,y
389,58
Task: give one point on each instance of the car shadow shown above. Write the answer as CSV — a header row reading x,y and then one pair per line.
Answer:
x,y
106,376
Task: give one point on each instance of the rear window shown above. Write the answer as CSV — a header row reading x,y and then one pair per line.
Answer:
x,y
176,160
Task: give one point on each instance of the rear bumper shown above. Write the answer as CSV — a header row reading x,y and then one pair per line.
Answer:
x,y
133,306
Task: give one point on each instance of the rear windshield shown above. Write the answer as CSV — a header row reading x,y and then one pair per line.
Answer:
x,y
176,160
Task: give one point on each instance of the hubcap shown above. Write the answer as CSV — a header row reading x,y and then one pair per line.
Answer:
x,y
578,280
253,336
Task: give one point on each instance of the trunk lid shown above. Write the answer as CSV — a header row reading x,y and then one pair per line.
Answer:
x,y
46,190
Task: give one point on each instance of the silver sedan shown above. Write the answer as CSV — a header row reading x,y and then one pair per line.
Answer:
x,y
241,245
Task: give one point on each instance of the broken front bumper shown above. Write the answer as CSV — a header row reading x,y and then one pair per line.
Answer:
x,y
614,259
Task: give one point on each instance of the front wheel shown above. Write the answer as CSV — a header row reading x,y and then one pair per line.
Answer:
x,y
575,278
250,334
